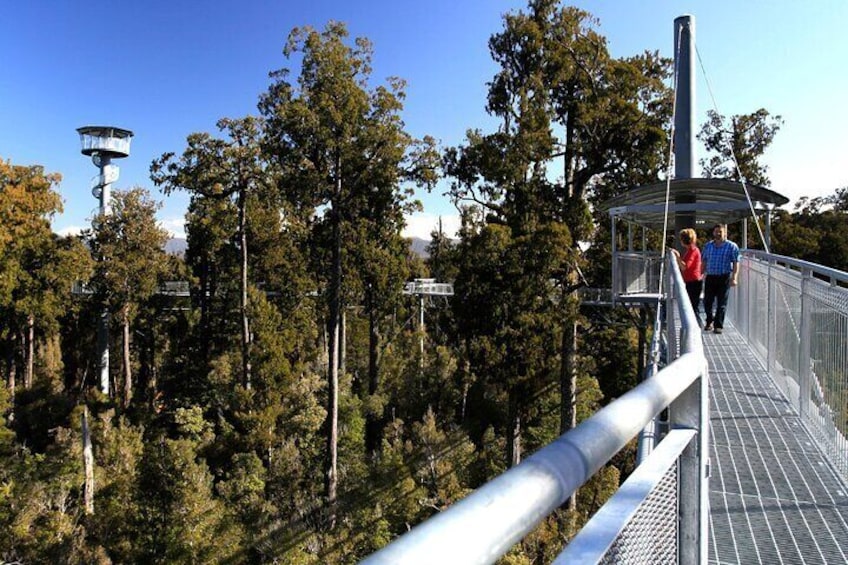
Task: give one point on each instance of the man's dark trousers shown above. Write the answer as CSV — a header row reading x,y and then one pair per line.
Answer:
x,y
716,289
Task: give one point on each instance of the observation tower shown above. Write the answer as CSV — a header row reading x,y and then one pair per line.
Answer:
x,y
103,144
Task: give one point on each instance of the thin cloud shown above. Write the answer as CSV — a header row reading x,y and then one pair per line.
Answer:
x,y
423,225
174,226
70,230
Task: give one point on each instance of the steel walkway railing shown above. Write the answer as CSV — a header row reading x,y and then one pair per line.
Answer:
x,y
780,456
487,523
794,315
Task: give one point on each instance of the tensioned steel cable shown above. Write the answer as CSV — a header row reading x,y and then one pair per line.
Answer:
x,y
668,173
732,153
655,345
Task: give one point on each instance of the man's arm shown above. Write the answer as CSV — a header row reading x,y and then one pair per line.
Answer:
x,y
734,273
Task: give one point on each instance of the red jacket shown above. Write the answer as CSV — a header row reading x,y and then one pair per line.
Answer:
x,y
692,260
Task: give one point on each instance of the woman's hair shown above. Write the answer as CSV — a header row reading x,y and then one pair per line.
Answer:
x,y
688,236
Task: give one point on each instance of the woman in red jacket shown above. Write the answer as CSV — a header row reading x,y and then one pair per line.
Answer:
x,y
690,266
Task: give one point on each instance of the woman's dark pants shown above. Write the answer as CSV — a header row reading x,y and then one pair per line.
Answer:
x,y
693,289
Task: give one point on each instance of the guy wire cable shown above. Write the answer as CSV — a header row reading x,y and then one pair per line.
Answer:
x,y
733,154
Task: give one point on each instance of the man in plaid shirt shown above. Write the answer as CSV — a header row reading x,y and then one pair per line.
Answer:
x,y
720,258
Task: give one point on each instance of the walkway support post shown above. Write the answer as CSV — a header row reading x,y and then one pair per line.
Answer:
x,y
804,359
691,411
771,322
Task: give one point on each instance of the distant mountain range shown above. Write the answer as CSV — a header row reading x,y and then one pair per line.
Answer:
x,y
178,245
419,246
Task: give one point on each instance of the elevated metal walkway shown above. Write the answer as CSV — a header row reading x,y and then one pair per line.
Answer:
x,y
776,428
775,497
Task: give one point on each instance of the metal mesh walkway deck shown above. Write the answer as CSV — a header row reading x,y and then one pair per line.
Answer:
x,y
774,497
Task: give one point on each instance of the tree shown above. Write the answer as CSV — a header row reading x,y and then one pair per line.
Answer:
x,y
37,268
737,145
128,246
506,308
182,521
441,254
558,93
816,231
343,153
222,169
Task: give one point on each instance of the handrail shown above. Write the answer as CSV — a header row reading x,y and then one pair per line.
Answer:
x,y
601,534
487,523
794,314
832,274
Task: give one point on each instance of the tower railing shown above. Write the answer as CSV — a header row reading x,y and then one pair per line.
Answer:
x,y
487,523
794,315
636,272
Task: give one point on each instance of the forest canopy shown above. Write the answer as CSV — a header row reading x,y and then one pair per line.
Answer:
x,y
296,406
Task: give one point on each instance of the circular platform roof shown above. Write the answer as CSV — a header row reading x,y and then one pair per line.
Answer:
x,y
105,140
712,201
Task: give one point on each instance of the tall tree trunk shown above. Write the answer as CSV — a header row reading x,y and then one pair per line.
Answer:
x,y
513,439
372,424
324,346
11,374
569,157
30,352
568,388
125,322
205,299
568,379
641,364
245,323
421,333
342,340
88,464
145,380
464,402
334,317
466,385
153,381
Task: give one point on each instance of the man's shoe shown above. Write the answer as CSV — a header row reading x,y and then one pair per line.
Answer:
x,y
708,328
718,330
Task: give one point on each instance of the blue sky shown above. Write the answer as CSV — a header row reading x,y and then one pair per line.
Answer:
x,y
167,69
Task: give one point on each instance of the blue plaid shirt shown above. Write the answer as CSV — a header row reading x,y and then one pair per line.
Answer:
x,y
720,259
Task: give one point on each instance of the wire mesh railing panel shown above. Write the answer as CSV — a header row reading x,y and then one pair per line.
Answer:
x,y
796,319
786,319
754,299
637,273
640,523
651,535
828,414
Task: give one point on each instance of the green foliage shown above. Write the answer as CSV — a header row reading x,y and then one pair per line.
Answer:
x,y
739,142
816,231
346,161
214,467
115,523
42,514
37,269
181,520
27,202
128,246
443,461
508,311
612,356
